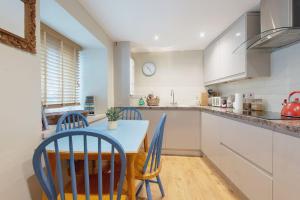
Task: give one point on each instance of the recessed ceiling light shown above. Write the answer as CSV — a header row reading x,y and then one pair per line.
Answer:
x,y
238,34
156,37
202,34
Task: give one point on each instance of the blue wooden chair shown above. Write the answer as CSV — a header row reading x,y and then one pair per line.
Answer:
x,y
88,187
130,113
71,120
148,165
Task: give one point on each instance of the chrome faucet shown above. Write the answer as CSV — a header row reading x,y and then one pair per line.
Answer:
x,y
173,97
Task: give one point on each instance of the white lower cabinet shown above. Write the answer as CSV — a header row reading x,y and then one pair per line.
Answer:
x,y
242,152
253,143
286,167
252,181
210,137
182,130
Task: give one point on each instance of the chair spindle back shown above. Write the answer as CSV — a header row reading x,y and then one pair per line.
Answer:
x,y
46,179
71,120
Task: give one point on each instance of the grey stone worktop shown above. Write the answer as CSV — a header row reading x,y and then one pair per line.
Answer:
x,y
289,127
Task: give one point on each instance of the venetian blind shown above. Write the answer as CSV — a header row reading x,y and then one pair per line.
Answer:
x,y
59,69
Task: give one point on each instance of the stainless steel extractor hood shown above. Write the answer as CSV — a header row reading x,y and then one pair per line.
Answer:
x,y
280,25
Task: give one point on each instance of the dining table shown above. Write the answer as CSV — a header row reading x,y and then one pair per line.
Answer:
x,y
131,134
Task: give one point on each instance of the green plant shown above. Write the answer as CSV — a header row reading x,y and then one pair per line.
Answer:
x,y
113,114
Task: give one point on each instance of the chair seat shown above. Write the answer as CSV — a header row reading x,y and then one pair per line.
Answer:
x,y
94,188
139,163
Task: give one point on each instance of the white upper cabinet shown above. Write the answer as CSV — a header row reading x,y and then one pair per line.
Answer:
x,y
224,61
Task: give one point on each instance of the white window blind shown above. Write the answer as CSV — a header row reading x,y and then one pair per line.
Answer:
x,y
59,69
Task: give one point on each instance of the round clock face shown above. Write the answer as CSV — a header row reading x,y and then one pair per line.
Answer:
x,y
149,69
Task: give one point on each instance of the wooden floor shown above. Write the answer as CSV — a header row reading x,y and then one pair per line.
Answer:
x,y
190,178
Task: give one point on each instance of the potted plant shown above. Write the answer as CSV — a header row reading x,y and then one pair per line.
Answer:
x,y
113,114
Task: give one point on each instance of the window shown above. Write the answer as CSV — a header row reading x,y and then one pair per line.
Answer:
x,y
59,69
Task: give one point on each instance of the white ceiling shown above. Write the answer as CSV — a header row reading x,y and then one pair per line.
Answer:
x,y
52,14
178,23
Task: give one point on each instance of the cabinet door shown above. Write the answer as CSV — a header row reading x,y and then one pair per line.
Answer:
x,y
210,139
182,131
182,128
253,143
211,62
233,62
153,116
253,182
286,165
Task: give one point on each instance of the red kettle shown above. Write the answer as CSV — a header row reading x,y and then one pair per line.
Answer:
x,y
291,108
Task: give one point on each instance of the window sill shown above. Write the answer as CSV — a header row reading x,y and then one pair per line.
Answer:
x,y
59,111
91,119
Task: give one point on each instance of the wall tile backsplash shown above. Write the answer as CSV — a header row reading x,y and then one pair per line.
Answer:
x,y
285,77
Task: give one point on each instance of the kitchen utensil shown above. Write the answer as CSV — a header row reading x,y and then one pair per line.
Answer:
x,y
224,102
291,108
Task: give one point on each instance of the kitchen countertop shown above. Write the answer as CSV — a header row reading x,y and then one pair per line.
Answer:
x,y
168,107
288,127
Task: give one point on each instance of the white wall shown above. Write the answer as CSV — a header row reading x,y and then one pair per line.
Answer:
x,y
94,77
122,73
285,71
78,12
20,129
178,70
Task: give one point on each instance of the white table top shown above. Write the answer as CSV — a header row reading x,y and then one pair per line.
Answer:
x,y
129,133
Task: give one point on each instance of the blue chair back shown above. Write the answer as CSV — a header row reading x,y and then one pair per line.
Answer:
x,y
46,179
71,120
130,113
154,152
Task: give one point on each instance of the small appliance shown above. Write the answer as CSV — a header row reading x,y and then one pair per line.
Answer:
x,y
291,108
216,101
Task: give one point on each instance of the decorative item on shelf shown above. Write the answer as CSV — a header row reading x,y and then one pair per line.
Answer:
x,y
141,102
152,100
113,114
90,105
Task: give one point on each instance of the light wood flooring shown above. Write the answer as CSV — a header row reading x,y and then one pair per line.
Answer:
x,y
190,178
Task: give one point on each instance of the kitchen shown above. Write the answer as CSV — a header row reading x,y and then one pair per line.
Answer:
x,y
209,90
247,116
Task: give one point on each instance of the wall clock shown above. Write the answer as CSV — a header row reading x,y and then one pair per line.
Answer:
x,y
149,69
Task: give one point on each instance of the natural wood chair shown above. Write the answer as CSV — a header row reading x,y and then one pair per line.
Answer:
x,y
89,186
148,164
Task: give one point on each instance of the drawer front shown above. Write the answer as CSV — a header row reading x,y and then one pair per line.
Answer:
x,y
253,143
253,182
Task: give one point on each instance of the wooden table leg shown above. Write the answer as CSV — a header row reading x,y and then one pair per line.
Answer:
x,y
130,176
52,161
146,146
